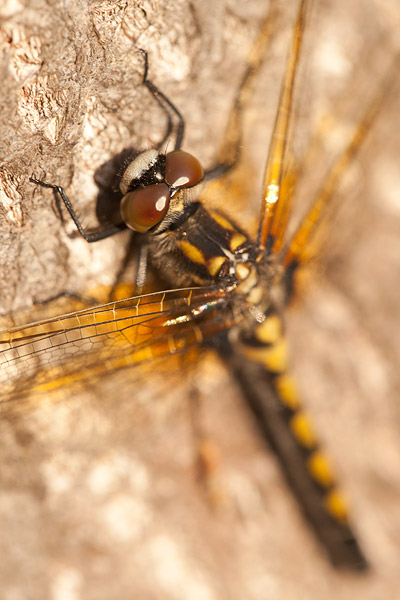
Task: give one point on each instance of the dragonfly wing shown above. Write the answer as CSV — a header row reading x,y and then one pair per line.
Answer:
x,y
49,356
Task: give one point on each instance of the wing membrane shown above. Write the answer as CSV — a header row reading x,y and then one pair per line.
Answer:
x,y
51,354
304,242
275,164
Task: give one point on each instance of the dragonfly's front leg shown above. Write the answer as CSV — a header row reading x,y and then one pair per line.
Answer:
x,y
94,236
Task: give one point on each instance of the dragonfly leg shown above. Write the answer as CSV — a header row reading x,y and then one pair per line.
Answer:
x,y
94,236
206,452
229,153
86,300
165,104
141,268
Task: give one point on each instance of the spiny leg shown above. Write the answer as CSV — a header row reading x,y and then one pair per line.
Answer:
x,y
206,451
94,236
141,269
163,101
135,259
229,152
85,300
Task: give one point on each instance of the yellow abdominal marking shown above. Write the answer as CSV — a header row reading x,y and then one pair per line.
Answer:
x,y
274,358
320,468
270,330
237,240
303,431
192,252
336,505
287,391
215,263
221,220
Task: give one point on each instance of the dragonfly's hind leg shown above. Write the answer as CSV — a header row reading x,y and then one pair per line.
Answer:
x,y
206,452
229,152
85,300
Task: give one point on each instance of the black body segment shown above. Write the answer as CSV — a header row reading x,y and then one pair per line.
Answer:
x,y
261,371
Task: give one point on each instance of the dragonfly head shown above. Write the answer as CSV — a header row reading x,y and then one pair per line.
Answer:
x,y
149,183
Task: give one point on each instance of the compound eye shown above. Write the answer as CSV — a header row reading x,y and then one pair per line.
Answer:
x,y
144,208
182,169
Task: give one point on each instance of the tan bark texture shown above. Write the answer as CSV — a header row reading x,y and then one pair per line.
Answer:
x,y
99,497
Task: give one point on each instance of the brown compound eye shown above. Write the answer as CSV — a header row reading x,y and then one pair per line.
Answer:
x,y
144,208
182,169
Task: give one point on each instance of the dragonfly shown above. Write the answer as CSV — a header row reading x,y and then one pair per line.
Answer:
x,y
227,293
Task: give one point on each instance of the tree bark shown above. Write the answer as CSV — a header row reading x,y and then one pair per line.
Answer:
x,y
99,497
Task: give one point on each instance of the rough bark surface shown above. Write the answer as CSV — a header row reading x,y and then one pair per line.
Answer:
x,y
98,494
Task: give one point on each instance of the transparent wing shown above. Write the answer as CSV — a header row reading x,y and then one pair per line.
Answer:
x,y
48,355
305,243
275,167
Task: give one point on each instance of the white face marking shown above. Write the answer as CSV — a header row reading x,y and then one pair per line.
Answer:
x,y
137,167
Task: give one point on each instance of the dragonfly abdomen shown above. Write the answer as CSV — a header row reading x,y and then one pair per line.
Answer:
x,y
259,363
